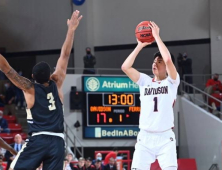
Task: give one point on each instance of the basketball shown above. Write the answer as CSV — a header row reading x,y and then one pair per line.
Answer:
x,y
144,32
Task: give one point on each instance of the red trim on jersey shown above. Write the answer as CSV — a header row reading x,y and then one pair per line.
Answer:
x,y
174,103
153,80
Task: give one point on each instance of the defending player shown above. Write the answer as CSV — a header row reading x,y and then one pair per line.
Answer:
x,y
156,139
44,100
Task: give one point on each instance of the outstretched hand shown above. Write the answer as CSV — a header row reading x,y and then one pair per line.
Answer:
x,y
74,21
143,44
155,29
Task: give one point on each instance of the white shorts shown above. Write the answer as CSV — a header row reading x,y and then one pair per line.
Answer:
x,y
152,146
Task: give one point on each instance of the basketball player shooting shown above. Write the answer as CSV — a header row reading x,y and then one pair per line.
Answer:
x,y
44,100
156,139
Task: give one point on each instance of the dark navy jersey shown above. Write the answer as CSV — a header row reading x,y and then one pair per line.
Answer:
x,y
47,111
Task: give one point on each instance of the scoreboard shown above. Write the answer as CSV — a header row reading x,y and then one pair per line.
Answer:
x,y
110,111
113,109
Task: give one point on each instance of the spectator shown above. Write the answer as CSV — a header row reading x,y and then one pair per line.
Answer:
x,y
9,99
111,165
89,165
98,165
2,151
1,161
67,165
3,124
214,103
80,165
214,88
186,64
69,157
98,157
17,146
112,154
89,62
215,83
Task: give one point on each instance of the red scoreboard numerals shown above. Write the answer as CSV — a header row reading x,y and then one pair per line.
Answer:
x,y
101,118
102,115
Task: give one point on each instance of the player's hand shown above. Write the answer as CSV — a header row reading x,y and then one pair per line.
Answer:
x,y
155,29
143,44
13,152
74,21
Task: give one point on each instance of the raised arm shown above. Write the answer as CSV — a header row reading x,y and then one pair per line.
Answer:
x,y
19,81
127,68
171,69
60,72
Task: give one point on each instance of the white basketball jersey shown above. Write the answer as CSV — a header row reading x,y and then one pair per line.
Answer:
x,y
157,99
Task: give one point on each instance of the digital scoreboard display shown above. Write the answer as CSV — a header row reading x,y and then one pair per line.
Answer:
x,y
112,109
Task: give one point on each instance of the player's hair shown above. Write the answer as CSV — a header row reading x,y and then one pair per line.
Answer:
x,y
157,54
41,72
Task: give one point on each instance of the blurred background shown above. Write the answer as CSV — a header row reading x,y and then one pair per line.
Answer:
x,y
34,31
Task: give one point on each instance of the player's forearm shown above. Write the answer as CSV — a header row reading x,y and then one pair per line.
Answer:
x,y
68,44
4,65
128,63
163,50
4,145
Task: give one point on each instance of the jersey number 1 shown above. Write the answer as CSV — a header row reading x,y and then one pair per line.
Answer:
x,y
51,101
155,104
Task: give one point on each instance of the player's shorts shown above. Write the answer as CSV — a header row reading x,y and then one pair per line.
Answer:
x,y
46,149
152,146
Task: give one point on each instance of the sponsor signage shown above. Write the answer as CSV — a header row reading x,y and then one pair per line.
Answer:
x,y
109,84
110,132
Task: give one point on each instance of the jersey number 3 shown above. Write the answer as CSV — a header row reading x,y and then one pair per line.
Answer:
x,y
155,104
51,101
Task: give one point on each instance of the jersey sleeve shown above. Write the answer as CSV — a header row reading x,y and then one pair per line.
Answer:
x,y
144,79
175,82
